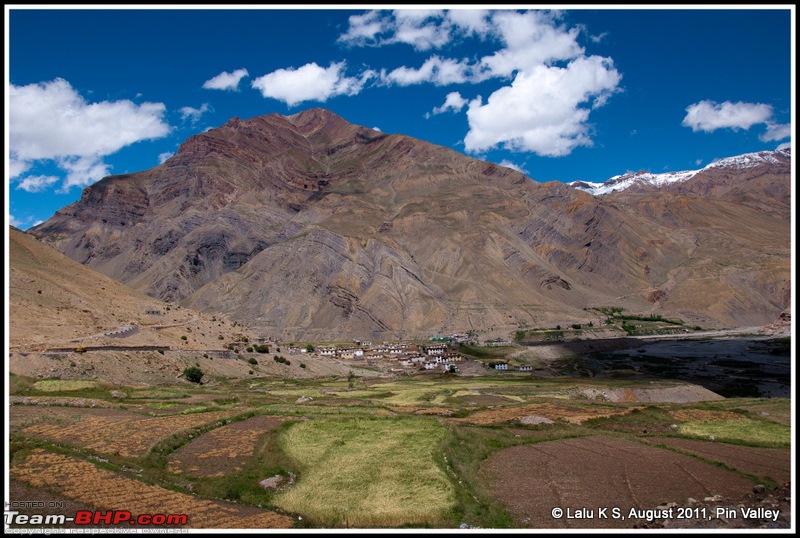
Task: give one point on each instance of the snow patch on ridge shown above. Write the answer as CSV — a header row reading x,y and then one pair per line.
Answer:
x,y
625,181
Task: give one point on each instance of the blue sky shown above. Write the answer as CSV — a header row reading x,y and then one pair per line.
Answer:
x,y
561,95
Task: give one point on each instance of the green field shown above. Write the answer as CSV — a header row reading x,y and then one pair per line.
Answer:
x,y
365,472
63,385
744,430
363,453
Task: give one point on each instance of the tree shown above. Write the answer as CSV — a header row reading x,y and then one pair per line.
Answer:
x,y
193,374
310,348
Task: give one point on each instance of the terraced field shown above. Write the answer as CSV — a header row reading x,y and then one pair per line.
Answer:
x,y
441,451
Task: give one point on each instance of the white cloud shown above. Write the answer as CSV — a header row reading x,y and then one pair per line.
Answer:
x,y
470,21
423,29
544,110
377,129
708,116
310,83
509,164
435,70
37,183
82,171
776,132
162,157
453,102
364,29
785,145
553,85
420,28
51,121
17,167
531,39
13,221
226,81
193,114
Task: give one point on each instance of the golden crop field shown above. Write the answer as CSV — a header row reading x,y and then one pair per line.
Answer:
x,y
124,436
360,472
63,385
573,415
702,414
221,451
105,490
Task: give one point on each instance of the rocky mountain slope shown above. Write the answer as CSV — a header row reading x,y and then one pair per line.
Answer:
x,y
308,227
56,302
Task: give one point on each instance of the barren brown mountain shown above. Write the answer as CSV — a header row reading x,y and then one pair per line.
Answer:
x,y
308,227
55,302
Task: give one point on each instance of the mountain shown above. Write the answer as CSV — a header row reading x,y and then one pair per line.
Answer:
x,y
56,302
309,227
644,181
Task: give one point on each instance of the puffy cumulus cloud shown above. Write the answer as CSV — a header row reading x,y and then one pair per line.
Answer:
x,y
15,222
226,81
785,145
453,102
470,21
423,29
194,114
509,164
531,39
776,132
548,85
435,70
364,29
310,83
51,121
708,116
82,171
37,183
545,110
162,157
17,167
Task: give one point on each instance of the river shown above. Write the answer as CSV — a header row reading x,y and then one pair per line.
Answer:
x,y
731,367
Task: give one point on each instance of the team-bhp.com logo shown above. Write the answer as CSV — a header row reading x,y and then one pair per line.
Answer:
x,y
92,517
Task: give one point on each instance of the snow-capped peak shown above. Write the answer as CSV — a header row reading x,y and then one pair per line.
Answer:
x,y
627,180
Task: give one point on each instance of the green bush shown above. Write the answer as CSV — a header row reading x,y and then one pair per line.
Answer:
x,y
252,360
193,374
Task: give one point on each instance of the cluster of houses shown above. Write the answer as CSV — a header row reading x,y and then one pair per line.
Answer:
x,y
437,355
434,356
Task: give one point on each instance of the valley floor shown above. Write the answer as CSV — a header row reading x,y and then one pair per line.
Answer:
x,y
371,451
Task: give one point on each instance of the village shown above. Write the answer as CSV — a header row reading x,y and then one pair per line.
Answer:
x,y
440,354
